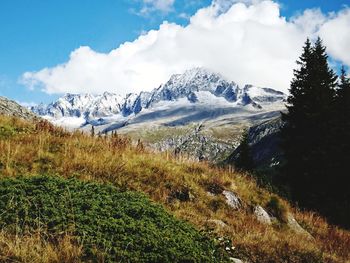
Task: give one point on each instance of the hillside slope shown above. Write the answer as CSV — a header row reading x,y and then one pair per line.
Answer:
x,y
11,108
249,222
112,225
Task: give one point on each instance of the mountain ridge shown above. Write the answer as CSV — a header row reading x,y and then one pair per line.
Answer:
x,y
197,86
12,108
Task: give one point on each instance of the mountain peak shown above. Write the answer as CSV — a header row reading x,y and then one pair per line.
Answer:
x,y
199,77
194,86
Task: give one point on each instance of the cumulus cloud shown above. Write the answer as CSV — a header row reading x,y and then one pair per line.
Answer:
x,y
165,6
336,34
247,42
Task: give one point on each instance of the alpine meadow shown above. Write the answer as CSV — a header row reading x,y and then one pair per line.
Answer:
x,y
175,131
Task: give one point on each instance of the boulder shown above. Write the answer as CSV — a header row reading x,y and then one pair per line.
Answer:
x,y
217,222
294,225
236,260
262,216
232,200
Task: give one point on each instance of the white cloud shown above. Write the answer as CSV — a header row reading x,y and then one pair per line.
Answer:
x,y
336,34
246,42
165,6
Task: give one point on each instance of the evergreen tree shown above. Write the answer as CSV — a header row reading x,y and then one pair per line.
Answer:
x,y
342,121
343,103
306,133
294,121
341,155
245,160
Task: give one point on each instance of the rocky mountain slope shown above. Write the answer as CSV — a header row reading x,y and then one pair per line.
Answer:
x,y
89,191
168,117
264,141
197,91
12,108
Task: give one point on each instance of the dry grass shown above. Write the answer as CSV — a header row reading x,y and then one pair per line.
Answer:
x,y
41,148
34,248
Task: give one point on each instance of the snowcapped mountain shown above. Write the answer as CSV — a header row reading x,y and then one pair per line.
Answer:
x,y
188,84
82,105
196,91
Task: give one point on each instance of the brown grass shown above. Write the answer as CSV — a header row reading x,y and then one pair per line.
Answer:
x,y
41,148
34,248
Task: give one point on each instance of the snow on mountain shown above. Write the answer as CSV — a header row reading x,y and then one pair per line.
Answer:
x,y
197,91
193,81
82,106
263,95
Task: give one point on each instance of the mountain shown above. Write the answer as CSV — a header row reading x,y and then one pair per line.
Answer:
x,y
264,140
12,108
82,105
106,200
194,96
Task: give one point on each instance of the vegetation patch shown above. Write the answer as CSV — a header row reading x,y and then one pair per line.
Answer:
x,y
45,149
111,225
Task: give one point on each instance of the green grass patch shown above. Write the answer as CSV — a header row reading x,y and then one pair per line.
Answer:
x,y
111,224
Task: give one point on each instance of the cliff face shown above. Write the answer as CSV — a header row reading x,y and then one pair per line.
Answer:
x,y
11,108
264,140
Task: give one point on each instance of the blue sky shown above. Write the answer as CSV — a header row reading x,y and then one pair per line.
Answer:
x,y
35,34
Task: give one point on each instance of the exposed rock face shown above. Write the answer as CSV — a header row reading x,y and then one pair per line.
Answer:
x,y
294,225
262,216
83,106
265,141
196,145
197,86
232,200
11,108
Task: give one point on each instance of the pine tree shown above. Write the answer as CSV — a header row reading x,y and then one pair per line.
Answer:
x,y
341,155
342,121
292,133
245,160
306,132
343,99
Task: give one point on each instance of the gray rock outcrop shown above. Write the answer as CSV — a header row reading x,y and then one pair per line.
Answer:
x,y
12,108
294,225
262,216
232,200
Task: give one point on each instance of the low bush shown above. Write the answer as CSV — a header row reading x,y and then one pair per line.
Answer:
x,y
277,209
109,224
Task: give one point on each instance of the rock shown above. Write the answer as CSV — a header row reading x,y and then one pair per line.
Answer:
x,y
236,260
217,222
232,200
210,194
294,225
182,194
11,108
262,216
264,140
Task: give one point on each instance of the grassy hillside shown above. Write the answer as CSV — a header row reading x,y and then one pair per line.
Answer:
x,y
111,225
190,191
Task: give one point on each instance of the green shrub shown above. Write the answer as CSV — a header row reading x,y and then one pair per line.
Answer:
x,y
110,224
216,203
6,131
277,209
